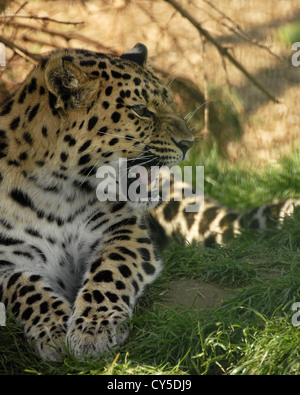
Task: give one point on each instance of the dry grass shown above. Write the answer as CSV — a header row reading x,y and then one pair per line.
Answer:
x,y
175,46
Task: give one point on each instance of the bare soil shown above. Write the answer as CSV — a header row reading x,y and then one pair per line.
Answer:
x,y
187,293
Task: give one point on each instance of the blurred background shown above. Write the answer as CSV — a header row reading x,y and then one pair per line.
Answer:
x,y
232,116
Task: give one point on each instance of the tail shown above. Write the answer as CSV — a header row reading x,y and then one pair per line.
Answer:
x,y
212,223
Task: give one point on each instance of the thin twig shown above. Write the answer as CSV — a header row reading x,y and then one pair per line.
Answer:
x,y
29,39
206,94
223,51
66,36
42,18
11,17
33,58
226,74
240,32
235,102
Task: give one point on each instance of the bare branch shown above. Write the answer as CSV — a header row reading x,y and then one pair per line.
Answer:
x,y
240,32
66,36
33,58
41,18
206,94
11,17
223,51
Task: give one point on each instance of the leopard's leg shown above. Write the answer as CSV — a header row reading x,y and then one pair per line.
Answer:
x,y
42,313
112,284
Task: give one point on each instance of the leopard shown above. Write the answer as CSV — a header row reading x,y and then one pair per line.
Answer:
x,y
72,267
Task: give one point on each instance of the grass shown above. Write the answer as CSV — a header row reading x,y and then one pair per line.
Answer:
x,y
289,33
244,186
251,332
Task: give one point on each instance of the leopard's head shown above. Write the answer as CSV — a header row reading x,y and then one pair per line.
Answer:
x,y
107,107
118,105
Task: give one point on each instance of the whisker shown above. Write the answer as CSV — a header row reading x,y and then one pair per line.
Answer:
x,y
142,155
140,164
146,155
190,114
100,159
170,79
87,175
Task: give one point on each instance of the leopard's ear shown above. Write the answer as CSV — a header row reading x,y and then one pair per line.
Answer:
x,y
137,54
71,86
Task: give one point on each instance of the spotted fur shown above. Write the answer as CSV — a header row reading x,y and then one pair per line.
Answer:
x,y
71,267
211,223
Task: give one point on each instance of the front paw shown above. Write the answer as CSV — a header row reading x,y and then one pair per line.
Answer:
x,y
96,335
48,341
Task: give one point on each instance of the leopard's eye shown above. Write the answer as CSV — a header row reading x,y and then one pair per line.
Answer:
x,y
142,111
